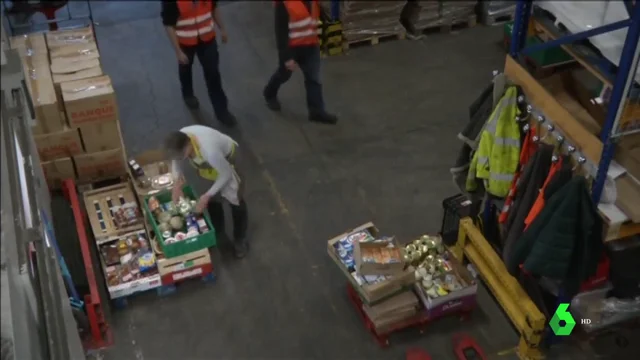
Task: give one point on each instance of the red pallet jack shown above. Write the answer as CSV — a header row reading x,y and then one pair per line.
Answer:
x,y
464,346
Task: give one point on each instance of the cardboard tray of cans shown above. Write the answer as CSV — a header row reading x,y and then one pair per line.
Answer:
x,y
204,237
372,289
443,284
129,265
113,212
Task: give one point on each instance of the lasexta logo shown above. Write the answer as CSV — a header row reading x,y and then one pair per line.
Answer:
x,y
562,315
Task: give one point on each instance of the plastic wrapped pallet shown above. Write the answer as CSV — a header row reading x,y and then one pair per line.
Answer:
x,y
431,14
366,19
490,11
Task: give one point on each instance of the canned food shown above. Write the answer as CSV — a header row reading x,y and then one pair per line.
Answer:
x,y
170,240
166,234
347,245
181,236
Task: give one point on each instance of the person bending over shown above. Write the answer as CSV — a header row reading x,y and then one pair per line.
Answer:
x,y
213,154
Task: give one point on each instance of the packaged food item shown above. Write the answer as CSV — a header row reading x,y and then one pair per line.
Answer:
x,y
126,215
166,235
154,206
202,225
192,233
170,240
146,262
176,223
180,236
136,169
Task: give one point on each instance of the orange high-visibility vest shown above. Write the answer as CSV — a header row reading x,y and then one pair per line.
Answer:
x,y
303,24
195,22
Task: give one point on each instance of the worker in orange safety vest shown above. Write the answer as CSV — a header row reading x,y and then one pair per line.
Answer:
x,y
191,25
296,24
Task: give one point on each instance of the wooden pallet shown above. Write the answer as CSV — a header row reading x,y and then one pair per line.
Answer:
x,y
498,19
446,27
373,40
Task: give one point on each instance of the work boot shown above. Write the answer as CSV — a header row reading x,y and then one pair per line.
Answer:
x,y
324,118
273,104
191,102
241,248
228,120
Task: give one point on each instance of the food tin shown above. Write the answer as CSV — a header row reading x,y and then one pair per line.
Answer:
x,y
166,235
170,240
180,236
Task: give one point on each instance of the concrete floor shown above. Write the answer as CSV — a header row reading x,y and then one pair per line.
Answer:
x,y
400,106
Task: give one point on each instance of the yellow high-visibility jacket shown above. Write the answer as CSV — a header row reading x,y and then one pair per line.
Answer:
x,y
496,159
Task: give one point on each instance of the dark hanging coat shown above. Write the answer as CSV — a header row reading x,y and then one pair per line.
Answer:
x,y
564,241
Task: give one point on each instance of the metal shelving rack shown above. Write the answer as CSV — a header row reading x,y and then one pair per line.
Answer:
x,y
621,84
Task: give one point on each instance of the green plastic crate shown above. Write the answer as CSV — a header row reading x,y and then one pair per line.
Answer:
x,y
186,246
546,57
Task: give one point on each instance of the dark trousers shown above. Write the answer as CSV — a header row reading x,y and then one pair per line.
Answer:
x,y
308,59
239,214
209,59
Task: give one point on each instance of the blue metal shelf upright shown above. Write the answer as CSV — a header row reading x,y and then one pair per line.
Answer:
x,y
621,84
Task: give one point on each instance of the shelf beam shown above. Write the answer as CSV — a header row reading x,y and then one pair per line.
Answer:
x,y
568,39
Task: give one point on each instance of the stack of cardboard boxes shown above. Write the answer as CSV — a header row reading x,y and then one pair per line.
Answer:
x,y
379,275
76,126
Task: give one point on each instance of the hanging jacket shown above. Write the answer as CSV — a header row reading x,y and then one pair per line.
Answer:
x,y
529,148
533,176
303,23
564,242
559,174
195,23
496,160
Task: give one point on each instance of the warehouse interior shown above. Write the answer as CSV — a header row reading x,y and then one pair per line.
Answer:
x,y
400,106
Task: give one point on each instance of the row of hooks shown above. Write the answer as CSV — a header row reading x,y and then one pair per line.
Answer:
x,y
553,133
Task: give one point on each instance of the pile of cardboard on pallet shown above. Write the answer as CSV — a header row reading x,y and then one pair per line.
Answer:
x,y
492,11
377,270
362,20
76,126
428,14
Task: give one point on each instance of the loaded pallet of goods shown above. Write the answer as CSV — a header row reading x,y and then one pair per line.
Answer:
x,y
76,129
394,287
427,16
369,22
180,238
496,12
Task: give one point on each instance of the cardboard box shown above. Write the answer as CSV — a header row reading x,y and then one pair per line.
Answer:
x,y
100,165
101,136
628,195
361,250
56,171
454,302
59,144
43,96
72,53
406,300
181,263
154,163
89,101
64,70
31,45
372,293
59,38
100,203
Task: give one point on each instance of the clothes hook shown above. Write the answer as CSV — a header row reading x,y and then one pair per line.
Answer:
x,y
495,73
535,138
526,127
560,139
540,119
521,99
550,129
571,149
529,109
580,162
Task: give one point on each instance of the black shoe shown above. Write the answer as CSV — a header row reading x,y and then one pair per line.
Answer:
x,y
228,120
273,104
240,248
324,118
191,102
